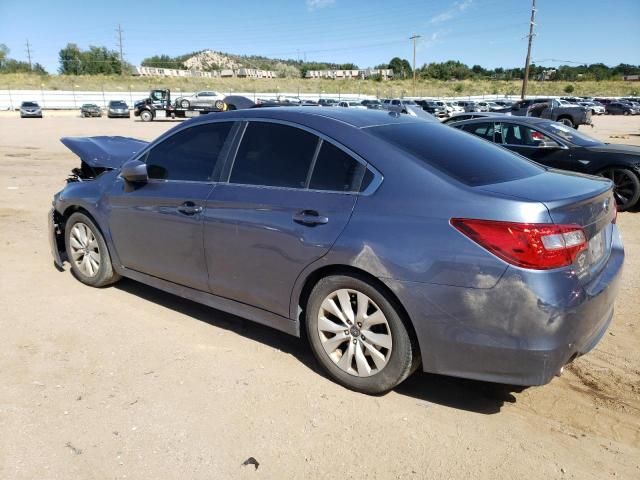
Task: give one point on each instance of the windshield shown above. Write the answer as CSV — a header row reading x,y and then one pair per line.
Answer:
x,y
570,134
29,104
461,156
117,104
409,102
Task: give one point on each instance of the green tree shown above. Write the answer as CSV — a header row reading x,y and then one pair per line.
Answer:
x,y
95,61
569,89
401,67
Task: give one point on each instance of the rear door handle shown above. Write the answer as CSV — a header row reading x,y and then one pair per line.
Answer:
x,y
309,218
189,208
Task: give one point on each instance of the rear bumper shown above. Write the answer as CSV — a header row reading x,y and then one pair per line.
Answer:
x,y
522,331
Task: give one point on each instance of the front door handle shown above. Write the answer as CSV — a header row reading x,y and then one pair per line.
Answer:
x,y
309,218
189,208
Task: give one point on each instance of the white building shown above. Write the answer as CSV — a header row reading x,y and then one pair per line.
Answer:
x,y
359,74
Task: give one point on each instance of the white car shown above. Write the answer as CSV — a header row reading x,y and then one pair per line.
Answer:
x,y
453,107
596,108
202,99
351,104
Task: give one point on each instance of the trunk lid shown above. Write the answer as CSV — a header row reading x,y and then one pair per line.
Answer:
x,y
572,198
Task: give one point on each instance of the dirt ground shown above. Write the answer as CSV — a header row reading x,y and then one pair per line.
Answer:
x,y
130,382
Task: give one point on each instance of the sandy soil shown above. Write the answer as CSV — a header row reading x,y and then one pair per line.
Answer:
x,y
129,382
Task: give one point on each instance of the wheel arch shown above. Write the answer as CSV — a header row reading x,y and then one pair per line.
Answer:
x,y
70,210
312,279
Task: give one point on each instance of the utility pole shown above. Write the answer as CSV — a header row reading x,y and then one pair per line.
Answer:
x,y
415,38
119,30
525,80
28,45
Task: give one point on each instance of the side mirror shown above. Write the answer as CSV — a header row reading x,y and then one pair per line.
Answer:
x,y
134,171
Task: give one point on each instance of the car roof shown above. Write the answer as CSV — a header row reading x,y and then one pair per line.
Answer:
x,y
510,118
354,117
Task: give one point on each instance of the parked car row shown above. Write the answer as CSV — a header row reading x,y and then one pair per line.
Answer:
x,y
115,109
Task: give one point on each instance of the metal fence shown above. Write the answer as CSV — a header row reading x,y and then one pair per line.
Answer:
x,y
74,99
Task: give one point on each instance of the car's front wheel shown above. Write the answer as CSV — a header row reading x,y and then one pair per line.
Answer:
x,y
146,116
358,336
184,103
87,252
626,187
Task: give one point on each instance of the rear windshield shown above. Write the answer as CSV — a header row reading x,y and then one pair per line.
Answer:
x,y
464,157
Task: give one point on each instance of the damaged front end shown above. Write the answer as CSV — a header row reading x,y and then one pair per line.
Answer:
x,y
97,156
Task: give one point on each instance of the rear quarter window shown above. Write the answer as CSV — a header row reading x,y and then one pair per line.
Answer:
x,y
459,155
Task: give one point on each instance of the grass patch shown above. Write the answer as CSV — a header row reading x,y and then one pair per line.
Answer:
x,y
328,88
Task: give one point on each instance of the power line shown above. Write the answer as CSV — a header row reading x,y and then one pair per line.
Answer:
x,y
28,45
525,80
414,37
119,30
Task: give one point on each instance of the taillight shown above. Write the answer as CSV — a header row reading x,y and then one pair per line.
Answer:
x,y
539,246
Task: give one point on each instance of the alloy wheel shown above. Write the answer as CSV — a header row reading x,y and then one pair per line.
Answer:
x,y
84,249
624,187
354,332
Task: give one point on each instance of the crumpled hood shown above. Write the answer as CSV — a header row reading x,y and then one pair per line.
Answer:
x,y
105,152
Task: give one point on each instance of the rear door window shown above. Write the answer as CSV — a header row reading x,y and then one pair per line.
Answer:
x,y
336,170
189,155
482,130
457,154
513,134
272,154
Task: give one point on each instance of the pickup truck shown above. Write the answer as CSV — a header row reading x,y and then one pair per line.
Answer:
x,y
570,114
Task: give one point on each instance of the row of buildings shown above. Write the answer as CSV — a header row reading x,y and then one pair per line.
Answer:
x,y
257,73
384,73
224,73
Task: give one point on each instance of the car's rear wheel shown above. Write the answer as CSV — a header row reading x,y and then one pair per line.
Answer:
x,y
184,103
146,116
566,121
626,188
87,252
358,336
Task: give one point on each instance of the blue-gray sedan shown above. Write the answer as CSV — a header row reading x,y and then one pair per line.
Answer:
x,y
392,242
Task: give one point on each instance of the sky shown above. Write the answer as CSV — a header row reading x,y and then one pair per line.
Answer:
x,y
491,33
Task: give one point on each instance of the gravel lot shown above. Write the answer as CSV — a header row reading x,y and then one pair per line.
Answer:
x,y
130,382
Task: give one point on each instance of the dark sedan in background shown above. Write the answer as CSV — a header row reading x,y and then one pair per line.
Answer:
x,y
391,242
555,145
90,110
620,108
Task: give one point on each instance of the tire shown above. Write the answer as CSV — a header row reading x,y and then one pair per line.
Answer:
x,y
396,354
625,113
218,104
626,188
87,252
566,121
185,103
146,116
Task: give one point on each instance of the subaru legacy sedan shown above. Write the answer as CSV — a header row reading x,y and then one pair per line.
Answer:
x,y
391,242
